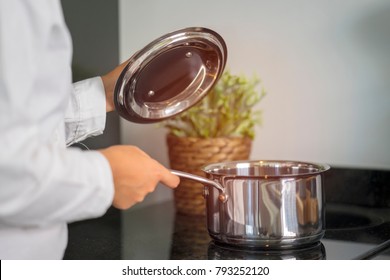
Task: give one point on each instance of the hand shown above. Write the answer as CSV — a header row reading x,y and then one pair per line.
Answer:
x,y
135,175
109,81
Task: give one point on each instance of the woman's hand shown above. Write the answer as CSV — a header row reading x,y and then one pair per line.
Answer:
x,y
135,175
109,81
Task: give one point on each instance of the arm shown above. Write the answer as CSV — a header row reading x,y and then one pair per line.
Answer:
x,y
42,182
135,174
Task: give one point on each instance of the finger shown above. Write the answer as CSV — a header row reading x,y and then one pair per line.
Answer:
x,y
169,179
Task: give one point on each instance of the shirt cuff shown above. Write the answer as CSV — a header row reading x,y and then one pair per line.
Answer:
x,y
86,113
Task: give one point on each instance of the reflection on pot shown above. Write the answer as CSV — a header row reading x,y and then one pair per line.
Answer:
x,y
307,204
217,251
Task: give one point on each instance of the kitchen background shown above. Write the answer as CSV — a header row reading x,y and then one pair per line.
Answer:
x,y
325,65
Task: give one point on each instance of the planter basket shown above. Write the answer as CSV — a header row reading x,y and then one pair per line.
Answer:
x,y
190,154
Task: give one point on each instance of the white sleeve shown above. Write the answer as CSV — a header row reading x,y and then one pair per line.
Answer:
x,y
86,113
42,181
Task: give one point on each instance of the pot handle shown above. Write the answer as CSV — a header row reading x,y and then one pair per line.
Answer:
x,y
222,195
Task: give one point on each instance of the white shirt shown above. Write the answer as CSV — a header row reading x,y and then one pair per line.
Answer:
x,y
43,184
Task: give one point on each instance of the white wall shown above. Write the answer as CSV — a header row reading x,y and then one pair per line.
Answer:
x,y
325,65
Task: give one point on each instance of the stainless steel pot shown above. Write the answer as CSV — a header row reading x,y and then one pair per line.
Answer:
x,y
264,204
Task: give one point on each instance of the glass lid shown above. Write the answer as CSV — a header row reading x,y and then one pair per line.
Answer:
x,y
170,75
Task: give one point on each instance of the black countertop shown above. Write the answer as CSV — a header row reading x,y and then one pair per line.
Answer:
x,y
355,228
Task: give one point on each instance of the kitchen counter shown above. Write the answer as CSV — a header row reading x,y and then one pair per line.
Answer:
x,y
355,228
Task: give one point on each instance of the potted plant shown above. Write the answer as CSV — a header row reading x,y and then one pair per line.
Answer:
x,y
219,128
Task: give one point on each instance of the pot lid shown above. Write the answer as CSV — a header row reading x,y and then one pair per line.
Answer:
x,y
170,75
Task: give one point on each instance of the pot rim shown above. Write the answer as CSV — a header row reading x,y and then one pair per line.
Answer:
x,y
222,168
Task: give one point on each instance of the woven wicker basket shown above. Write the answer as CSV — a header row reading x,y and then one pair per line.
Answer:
x,y
189,154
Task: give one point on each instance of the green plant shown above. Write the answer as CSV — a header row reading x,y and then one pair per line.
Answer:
x,y
227,110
